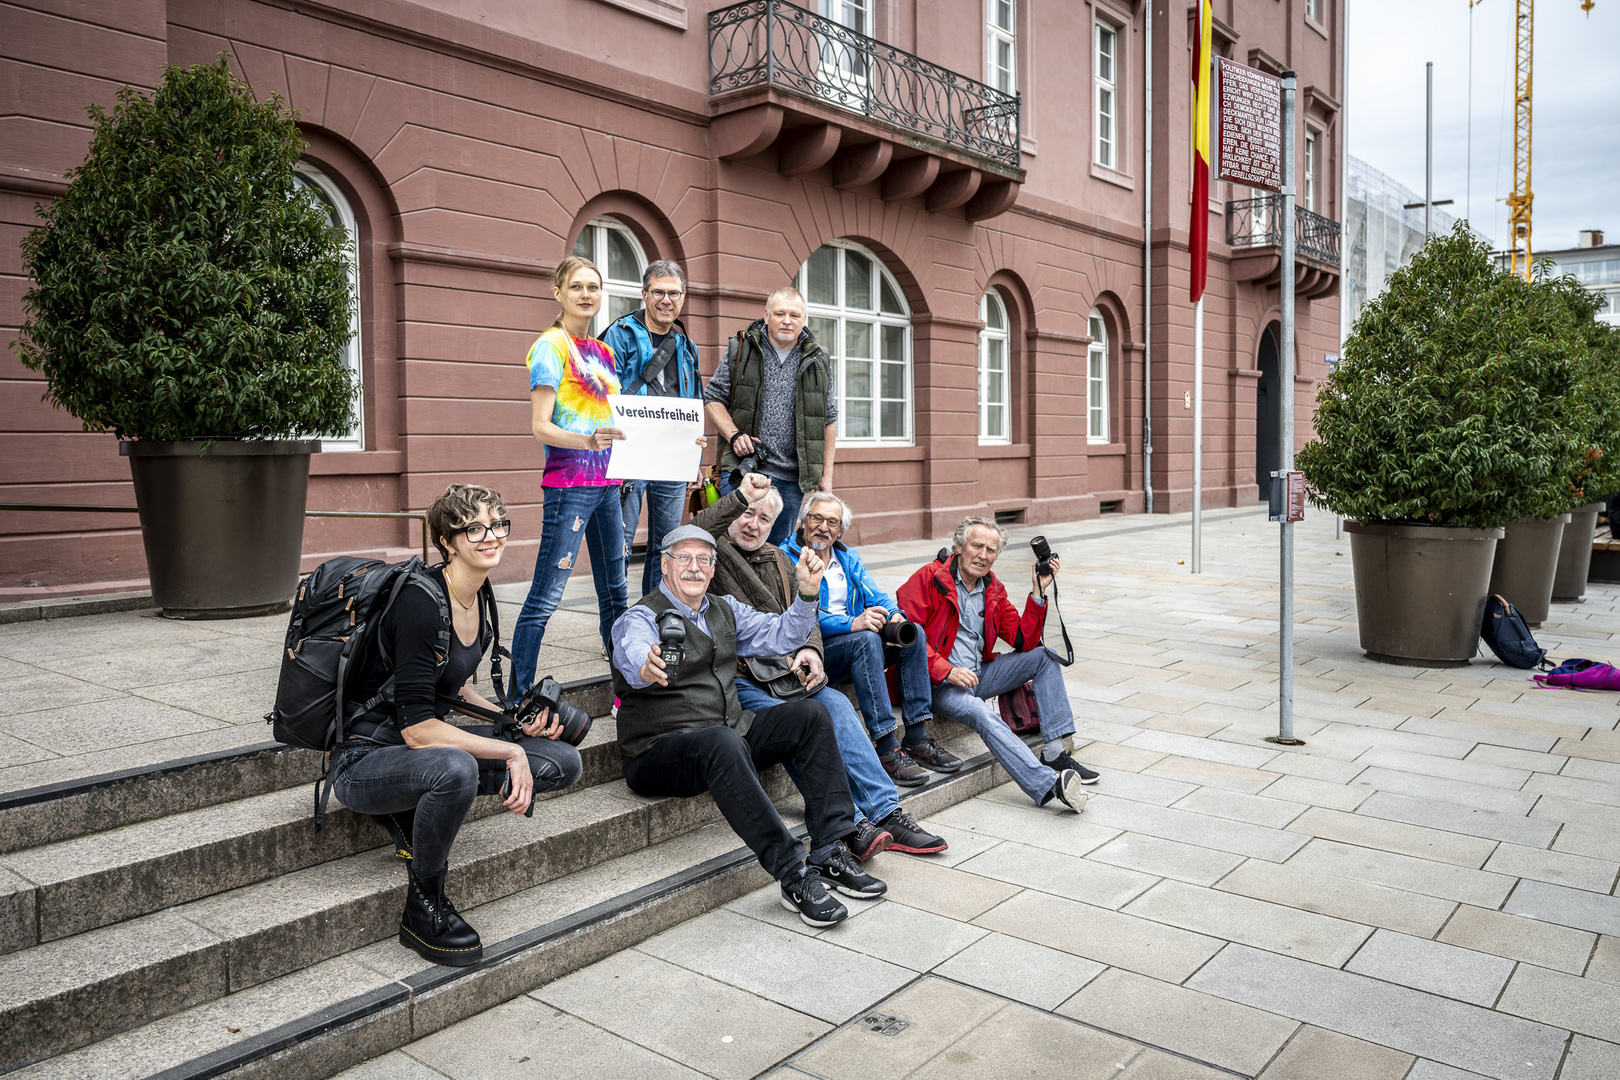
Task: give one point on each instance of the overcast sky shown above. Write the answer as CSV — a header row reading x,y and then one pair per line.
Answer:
x,y
1576,148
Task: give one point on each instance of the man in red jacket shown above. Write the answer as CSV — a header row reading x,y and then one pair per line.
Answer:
x,y
964,609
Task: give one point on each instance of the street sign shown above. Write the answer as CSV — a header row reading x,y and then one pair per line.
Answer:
x,y
1248,109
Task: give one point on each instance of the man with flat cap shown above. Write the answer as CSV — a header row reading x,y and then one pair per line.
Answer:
x,y
682,731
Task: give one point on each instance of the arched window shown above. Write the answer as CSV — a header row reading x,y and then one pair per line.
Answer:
x,y
616,252
858,314
325,195
995,424
1097,381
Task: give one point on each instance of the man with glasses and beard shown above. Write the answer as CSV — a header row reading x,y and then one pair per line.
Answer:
x,y
682,730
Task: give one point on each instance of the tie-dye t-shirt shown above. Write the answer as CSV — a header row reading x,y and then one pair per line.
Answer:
x,y
583,378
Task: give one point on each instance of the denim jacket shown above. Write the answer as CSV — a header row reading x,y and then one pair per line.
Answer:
x,y
632,347
863,591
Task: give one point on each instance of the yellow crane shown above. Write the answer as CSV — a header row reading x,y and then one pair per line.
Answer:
x,y
1519,201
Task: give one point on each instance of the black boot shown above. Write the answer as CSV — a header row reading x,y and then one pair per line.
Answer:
x,y
432,927
400,825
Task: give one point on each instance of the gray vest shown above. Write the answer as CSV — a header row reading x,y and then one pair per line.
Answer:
x,y
702,695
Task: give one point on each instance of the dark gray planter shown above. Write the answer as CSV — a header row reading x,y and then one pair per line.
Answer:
x,y
1526,560
1420,591
1575,554
222,522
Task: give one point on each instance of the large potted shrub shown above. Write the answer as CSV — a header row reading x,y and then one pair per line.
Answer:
x,y
1450,415
188,299
1602,475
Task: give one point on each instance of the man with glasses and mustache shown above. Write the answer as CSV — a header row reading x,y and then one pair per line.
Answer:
x,y
682,731
854,614
655,357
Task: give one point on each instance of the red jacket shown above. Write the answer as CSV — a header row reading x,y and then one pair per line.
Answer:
x,y
929,597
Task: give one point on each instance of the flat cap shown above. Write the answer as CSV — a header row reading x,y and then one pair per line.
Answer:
x,y
686,532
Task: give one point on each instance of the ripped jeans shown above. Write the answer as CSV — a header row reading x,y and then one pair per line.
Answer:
x,y
570,515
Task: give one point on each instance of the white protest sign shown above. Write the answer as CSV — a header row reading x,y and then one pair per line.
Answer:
x,y
660,438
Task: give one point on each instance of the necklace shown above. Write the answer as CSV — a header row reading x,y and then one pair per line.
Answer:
x,y
451,586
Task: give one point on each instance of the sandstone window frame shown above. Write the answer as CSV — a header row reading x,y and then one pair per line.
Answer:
x,y
316,184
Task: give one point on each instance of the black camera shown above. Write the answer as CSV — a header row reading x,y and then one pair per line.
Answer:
x,y
901,634
671,638
547,694
1043,555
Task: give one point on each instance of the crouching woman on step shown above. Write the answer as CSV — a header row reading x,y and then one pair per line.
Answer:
x,y
403,761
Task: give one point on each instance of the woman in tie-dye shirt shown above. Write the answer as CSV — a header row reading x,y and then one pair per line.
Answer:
x,y
570,377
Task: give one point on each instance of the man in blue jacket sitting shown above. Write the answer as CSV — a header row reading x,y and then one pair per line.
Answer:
x,y
654,357
863,631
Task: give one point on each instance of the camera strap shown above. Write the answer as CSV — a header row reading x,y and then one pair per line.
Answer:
x,y
1064,630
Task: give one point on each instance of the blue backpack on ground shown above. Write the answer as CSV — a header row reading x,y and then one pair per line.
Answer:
x,y
1509,638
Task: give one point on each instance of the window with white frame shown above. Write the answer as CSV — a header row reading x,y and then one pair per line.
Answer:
x,y
1310,170
320,190
1106,78
995,421
617,253
859,315
1097,381
1313,10
843,65
1001,46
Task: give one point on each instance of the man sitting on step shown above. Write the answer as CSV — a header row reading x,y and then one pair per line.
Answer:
x,y
682,730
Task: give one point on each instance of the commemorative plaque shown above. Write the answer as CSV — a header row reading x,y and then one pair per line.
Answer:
x,y
1248,107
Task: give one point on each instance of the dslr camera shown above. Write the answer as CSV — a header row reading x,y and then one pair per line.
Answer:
x,y
546,694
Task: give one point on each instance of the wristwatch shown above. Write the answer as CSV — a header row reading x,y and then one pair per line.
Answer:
x,y
810,598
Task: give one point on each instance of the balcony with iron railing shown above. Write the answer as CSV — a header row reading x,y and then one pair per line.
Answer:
x,y
1254,232
788,83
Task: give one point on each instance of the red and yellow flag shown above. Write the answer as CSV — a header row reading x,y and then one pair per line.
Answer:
x,y
1198,230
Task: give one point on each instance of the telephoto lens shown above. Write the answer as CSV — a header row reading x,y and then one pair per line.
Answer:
x,y
547,694
671,636
1043,555
902,634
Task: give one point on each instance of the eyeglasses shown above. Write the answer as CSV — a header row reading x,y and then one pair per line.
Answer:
x,y
690,558
813,520
476,532
665,294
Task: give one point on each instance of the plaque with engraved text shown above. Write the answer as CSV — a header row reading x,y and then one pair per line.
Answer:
x,y
1248,107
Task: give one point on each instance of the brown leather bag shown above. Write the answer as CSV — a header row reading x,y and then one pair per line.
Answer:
x,y
1019,711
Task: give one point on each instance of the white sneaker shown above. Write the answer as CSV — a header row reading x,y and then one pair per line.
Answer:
x,y
1068,790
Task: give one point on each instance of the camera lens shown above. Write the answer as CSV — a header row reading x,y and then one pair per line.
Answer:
x,y
1043,550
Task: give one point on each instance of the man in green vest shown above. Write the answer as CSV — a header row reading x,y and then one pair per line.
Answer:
x,y
682,732
772,400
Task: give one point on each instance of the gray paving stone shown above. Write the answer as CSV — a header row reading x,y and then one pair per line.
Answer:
x,y
1201,1026
943,890
1590,1059
1566,907
1238,837
806,974
1021,1041
1141,787
1329,770
1451,817
1556,867
1171,742
1021,970
394,1066
1450,1032
1439,968
1604,772
905,936
1570,787
1405,872
1260,923
1394,836
1484,734
1359,741
1519,938
1110,937
1433,1070
1078,879
717,1029
1567,1001
1318,1054
1485,754
1271,812
1446,766
1438,788
1304,789
1156,1065
1340,897
1605,961
1167,858
1072,834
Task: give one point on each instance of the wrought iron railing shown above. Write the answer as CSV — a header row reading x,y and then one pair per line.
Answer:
x,y
1258,223
775,43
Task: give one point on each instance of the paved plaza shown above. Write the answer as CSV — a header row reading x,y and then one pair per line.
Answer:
x,y
1424,890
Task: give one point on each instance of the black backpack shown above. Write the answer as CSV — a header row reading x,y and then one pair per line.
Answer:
x,y
1509,638
332,639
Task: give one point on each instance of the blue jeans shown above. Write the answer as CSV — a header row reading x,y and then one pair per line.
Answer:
x,y
861,657
869,785
665,500
972,709
787,522
569,515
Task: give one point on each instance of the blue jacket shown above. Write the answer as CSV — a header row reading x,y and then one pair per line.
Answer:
x,y
863,591
632,348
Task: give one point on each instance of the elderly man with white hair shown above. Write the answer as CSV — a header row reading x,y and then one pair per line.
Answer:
x,y
682,730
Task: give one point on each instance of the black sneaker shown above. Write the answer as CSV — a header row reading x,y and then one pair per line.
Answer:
x,y
1067,791
909,837
869,840
843,873
809,896
1064,761
936,757
901,769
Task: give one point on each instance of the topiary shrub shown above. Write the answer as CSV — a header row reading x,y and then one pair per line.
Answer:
x,y
183,288
1457,399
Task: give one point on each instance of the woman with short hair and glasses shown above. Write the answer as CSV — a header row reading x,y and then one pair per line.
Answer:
x,y
402,761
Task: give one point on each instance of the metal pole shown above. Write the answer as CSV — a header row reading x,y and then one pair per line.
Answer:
x,y
1198,436
1428,147
1343,204
1147,265
1285,372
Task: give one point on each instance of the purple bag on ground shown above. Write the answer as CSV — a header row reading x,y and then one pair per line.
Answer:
x,y
1581,675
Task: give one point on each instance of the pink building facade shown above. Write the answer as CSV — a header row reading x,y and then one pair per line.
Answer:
x,y
960,187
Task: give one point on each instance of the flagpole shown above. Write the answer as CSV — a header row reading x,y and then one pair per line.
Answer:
x,y
1198,250
1198,437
